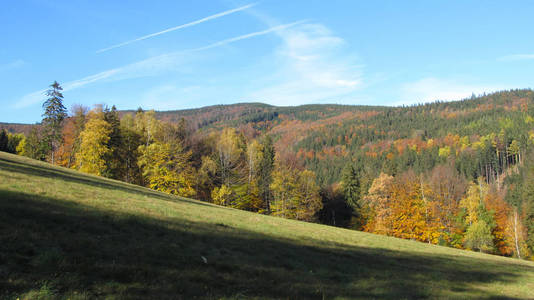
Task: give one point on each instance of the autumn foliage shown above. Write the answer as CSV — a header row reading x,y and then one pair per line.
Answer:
x,y
457,174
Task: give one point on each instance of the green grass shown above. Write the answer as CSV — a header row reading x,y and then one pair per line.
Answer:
x,y
67,235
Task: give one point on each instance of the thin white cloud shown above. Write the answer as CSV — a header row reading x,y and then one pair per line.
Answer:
x,y
247,36
215,16
38,96
312,67
431,89
12,65
89,79
147,67
29,99
516,57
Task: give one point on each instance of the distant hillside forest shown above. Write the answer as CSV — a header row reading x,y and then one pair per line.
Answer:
x,y
459,174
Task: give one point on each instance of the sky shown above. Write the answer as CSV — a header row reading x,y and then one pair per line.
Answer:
x,y
168,55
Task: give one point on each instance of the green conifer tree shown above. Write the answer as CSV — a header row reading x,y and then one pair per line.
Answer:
x,y
265,170
53,116
3,140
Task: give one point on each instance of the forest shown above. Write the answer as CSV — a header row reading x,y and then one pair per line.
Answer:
x,y
457,174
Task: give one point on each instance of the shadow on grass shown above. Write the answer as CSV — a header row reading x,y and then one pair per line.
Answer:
x,y
16,166
72,248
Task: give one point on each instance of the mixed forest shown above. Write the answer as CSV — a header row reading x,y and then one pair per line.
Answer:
x,y
457,174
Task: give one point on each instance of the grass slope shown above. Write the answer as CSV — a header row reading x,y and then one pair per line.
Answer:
x,y
64,234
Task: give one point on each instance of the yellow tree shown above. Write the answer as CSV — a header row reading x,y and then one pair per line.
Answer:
x,y
147,125
93,144
308,200
478,237
495,203
447,189
516,234
167,168
254,156
480,221
231,160
230,155
472,201
21,147
295,194
377,205
252,199
223,195
204,178
284,182
409,213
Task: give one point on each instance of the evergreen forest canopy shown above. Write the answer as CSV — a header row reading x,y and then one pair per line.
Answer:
x,y
459,174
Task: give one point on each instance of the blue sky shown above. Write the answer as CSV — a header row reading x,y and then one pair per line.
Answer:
x,y
182,54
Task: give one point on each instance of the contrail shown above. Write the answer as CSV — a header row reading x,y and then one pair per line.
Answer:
x,y
516,57
215,16
247,36
139,68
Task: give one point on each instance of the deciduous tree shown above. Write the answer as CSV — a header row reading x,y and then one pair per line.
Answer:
x,y
167,168
478,237
93,146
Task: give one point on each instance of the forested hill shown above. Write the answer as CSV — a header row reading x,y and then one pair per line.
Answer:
x,y
244,113
16,127
459,174
322,136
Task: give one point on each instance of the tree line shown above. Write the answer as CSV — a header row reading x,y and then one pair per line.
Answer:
x,y
455,174
224,167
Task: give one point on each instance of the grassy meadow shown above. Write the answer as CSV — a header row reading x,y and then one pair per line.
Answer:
x,y
68,235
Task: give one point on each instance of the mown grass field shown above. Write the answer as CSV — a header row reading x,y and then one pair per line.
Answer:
x,y
67,235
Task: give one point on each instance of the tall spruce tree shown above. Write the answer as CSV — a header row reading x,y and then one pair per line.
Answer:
x,y
265,170
53,116
3,140
115,167
351,186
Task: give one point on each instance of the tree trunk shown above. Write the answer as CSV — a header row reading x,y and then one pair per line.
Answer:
x,y
515,235
53,152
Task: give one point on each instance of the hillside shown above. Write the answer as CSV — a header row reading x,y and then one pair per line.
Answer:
x,y
64,234
16,127
457,174
323,136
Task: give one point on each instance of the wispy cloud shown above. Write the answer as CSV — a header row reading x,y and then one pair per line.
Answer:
x,y
248,36
29,99
38,96
432,89
147,67
89,79
312,67
12,65
515,57
215,16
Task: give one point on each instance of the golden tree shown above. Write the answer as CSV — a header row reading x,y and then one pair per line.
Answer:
x,y
93,146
